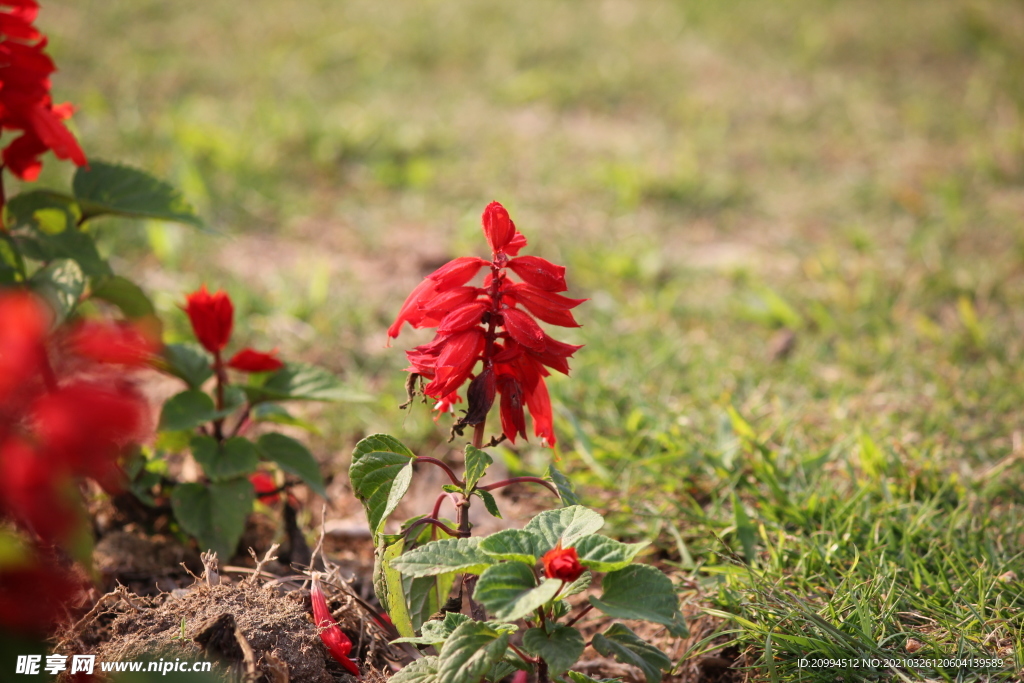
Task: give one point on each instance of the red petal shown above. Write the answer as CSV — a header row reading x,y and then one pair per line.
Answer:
x,y
212,318
447,302
457,273
118,344
555,353
523,329
455,362
265,487
55,136
550,307
517,243
498,226
539,402
338,644
513,422
539,272
249,360
463,318
410,311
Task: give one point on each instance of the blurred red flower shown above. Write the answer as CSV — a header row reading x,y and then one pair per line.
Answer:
x,y
249,360
212,317
25,102
513,361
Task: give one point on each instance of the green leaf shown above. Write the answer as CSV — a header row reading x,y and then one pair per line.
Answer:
x,y
436,631
214,513
103,188
426,595
577,677
602,554
61,283
578,586
278,414
294,458
745,529
566,525
43,210
124,294
564,486
12,265
489,502
299,381
509,590
70,244
470,651
514,544
384,443
420,671
397,604
235,457
186,410
620,642
477,463
641,592
560,648
234,398
380,479
443,556
189,362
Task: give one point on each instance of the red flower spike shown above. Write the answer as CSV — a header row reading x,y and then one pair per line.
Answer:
x,y
337,643
249,360
496,326
212,317
562,563
117,344
22,350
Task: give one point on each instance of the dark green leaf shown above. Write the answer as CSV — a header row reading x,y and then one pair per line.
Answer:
x,y
489,502
235,457
43,210
186,410
641,592
426,595
380,479
477,463
443,556
560,648
620,642
384,443
564,486
577,677
214,513
602,554
514,544
510,591
124,294
397,602
294,458
299,381
61,283
12,265
103,188
420,671
278,414
470,651
70,244
189,362
566,525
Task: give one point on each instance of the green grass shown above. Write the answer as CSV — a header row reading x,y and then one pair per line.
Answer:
x,y
712,173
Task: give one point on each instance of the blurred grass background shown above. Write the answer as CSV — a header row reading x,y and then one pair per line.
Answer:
x,y
800,225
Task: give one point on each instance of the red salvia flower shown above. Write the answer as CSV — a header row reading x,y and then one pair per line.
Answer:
x,y
337,643
562,563
266,488
249,360
25,102
490,334
212,317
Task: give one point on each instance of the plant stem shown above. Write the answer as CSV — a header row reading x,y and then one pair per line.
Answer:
x,y
448,470
579,616
222,379
518,480
542,672
522,655
435,522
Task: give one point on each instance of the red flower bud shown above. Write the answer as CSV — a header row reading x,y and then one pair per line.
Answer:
x,y
562,563
248,360
498,227
266,487
338,644
212,316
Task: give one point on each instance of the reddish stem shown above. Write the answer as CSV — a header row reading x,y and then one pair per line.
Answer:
x,y
435,522
582,613
522,655
518,480
448,470
222,379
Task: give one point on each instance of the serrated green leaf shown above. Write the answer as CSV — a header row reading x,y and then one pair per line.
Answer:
x,y
300,382
420,671
603,554
124,294
426,595
103,188
578,586
514,544
641,592
186,410
380,479
61,284
235,457
189,362
560,648
477,463
43,210
469,652
384,443
510,591
564,486
293,457
214,513
443,556
620,642
577,677
70,244
489,503
278,414
502,669
566,525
